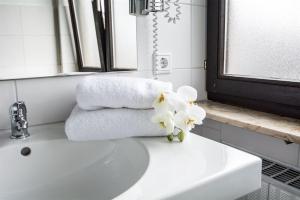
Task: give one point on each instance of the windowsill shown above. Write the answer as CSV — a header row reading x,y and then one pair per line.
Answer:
x,y
284,128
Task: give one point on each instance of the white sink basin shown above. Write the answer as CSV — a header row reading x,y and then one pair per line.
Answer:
x,y
140,168
59,169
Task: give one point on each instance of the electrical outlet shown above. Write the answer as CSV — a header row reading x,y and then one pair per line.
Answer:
x,y
164,63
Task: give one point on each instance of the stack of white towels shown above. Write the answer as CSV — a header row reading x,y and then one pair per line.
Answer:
x,y
114,107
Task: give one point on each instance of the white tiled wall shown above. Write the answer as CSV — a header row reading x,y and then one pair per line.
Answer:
x,y
27,38
253,142
51,99
8,96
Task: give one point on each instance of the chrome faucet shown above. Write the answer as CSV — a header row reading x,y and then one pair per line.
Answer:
x,y
18,119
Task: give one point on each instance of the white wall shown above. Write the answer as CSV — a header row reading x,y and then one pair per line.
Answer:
x,y
27,39
51,99
251,141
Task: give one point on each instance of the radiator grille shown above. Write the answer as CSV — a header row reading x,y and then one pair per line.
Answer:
x,y
287,176
295,184
273,170
266,163
281,173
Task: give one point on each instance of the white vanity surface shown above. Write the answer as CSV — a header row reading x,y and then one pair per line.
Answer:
x,y
134,168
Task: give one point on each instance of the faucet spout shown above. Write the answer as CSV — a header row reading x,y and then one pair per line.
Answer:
x,y
19,123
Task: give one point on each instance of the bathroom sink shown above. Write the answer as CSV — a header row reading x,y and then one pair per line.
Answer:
x,y
57,169
134,168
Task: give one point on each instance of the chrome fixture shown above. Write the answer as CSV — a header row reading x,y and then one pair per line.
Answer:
x,y
144,7
18,119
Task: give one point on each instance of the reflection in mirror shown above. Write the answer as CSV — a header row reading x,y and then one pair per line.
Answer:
x,y
122,43
88,28
30,40
37,37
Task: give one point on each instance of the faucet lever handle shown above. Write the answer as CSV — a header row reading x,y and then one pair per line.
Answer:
x,y
18,109
19,124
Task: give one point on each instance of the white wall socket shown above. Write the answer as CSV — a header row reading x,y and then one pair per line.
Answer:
x,y
164,61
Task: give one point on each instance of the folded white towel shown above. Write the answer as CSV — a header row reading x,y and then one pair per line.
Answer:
x,y
96,92
104,124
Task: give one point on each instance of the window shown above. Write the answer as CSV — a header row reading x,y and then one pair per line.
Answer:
x,y
253,54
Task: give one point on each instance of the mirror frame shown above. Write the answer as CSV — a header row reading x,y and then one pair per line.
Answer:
x,y
100,34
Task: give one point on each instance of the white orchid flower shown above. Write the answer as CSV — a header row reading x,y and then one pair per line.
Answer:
x,y
176,102
187,93
169,101
198,113
161,102
187,119
184,121
178,110
165,121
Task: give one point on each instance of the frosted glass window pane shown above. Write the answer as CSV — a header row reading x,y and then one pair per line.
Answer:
x,y
263,39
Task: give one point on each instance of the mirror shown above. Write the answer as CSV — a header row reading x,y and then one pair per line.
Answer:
x,y
30,42
105,35
41,38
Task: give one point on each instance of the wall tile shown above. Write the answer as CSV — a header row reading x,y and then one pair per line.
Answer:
x,y
7,98
212,134
210,129
198,36
173,38
176,38
197,130
40,50
144,42
138,73
185,1
38,20
27,2
208,132
212,124
11,71
41,70
49,99
11,51
143,74
198,81
12,22
261,144
178,77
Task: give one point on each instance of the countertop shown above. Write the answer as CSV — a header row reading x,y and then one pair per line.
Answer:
x,y
61,169
287,129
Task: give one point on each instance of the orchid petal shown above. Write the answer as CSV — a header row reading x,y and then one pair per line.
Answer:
x,y
165,120
197,113
180,120
188,93
161,103
176,102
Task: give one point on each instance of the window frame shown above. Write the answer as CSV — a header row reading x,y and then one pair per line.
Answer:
x,y
278,97
109,41
104,39
100,34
